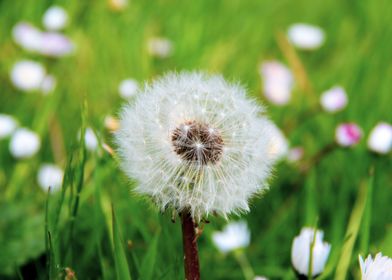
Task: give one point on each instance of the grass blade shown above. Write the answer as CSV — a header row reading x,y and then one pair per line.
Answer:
x,y
148,264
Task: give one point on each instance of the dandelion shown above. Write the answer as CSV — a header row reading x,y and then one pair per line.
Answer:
x,y
27,75
348,134
128,88
50,175
24,143
306,36
301,252
379,268
334,99
195,144
55,18
380,138
160,47
7,125
277,82
234,236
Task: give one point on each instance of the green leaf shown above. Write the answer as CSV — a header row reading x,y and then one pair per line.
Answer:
x,y
148,264
120,259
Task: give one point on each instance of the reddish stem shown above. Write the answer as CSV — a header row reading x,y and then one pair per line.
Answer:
x,y
189,241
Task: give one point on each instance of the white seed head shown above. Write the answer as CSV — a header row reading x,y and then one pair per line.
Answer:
x,y
234,236
379,268
380,138
24,143
55,18
300,252
50,175
7,125
306,36
194,142
334,99
27,75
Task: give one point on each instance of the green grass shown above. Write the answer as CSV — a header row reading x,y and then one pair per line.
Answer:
x,y
228,37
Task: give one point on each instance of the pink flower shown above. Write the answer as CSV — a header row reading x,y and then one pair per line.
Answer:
x,y
348,134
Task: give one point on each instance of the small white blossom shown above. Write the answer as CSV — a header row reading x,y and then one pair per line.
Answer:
x,y
55,18
24,143
380,138
48,84
194,142
260,278
91,140
348,134
27,75
379,268
306,36
128,88
50,175
234,236
277,82
160,47
300,252
278,146
7,125
27,36
334,99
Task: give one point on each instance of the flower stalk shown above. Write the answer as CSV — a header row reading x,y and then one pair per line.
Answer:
x,y
191,255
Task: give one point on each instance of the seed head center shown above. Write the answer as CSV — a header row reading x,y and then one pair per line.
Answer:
x,y
197,142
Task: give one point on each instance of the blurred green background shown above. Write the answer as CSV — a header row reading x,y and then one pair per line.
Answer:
x,y
228,37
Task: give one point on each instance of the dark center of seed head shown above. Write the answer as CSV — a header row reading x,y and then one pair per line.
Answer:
x,y
197,142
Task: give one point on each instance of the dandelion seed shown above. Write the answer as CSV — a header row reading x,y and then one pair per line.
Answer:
x,y
277,82
50,175
380,138
200,128
7,125
27,75
55,18
379,268
348,134
300,252
306,36
334,99
234,236
24,143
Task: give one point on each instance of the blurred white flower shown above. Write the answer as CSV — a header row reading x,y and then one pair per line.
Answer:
x,y
118,5
128,88
234,236
334,99
277,82
159,47
50,175
348,134
306,36
24,143
55,18
380,138
260,278
27,36
300,252
379,268
27,75
111,123
91,140
295,154
194,142
55,45
7,125
48,84
278,145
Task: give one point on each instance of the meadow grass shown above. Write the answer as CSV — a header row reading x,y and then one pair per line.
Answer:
x,y
97,229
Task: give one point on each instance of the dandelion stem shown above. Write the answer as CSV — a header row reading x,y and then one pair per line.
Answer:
x,y
191,256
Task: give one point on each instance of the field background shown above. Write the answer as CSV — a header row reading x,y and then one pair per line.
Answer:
x,y
228,37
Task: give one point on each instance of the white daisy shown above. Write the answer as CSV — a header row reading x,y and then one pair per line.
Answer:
x,y
300,252
380,138
50,175
194,142
379,268
306,36
234,236
24,143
